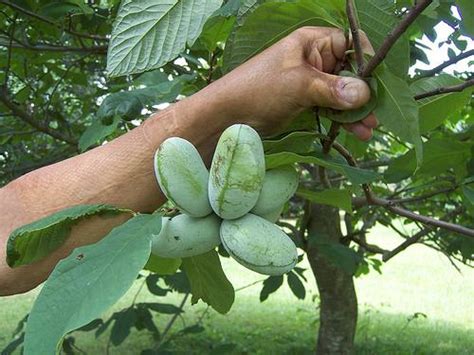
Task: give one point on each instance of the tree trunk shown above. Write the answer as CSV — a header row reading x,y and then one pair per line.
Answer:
x,y
338,309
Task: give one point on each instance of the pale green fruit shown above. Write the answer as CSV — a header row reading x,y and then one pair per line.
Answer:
x,y
184,236
237,172
182,176
273,216
259,245
279,186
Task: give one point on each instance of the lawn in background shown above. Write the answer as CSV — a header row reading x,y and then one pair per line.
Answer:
x,y
419,305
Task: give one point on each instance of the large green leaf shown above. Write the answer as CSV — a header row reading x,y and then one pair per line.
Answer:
x,y
269,23
377,19
162,266
467,12
439,155
36,240
96,132
435,109
208,281
147,34
355,175
340,198
397,109
87,282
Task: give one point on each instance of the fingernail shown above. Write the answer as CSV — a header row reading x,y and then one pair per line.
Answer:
x,y
349,90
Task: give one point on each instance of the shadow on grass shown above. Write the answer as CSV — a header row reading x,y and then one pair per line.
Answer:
x,y
290,331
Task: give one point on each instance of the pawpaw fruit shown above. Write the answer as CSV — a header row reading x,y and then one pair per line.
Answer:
x,y
184,236
183,177
237,172
259,245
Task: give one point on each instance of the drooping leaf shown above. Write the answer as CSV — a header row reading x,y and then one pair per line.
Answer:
x,y
208,281
435,109
355,175
89,281
178,282
270,285
439,155
397,109
162,266
296,286
36,240
148,34
340,198
271,22
340,255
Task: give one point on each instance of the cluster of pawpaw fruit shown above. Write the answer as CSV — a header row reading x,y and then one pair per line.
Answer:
x,y
235,203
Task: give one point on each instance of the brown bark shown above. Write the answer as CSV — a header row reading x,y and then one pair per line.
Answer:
x,y
338,310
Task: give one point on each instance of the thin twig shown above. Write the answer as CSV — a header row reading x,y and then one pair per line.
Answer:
x,y
24,116
454,60
52,48
249,285
354,25
51,22
9,57
171,322
393,37
446,89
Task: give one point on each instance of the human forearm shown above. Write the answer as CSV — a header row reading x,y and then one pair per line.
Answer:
x,y
119,173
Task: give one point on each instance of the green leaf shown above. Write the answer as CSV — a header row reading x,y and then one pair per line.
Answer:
x,y
216,30
208,281
467,13
377,19
397,109
339,255
435,109
152,285
340,198
296,286
270,285
296,142
162,266
96,132
271,22
147,34
439,155
36,240
87,282
468,194
355,175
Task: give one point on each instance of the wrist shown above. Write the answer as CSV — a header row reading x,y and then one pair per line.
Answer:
x,y
200,119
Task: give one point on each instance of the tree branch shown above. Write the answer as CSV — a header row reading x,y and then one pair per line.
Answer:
x,y
420,234
26,117
354,25
50,22
370,199
446,89
52,48
446,64
393,36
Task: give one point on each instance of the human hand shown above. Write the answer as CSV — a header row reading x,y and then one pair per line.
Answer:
x,y
270,89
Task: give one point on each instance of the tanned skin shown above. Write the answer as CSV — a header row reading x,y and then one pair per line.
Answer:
x,y
266,93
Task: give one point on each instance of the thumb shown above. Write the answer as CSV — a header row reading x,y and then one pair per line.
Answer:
x,y
337,92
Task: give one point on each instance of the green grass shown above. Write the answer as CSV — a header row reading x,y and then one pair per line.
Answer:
x,y
417,281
